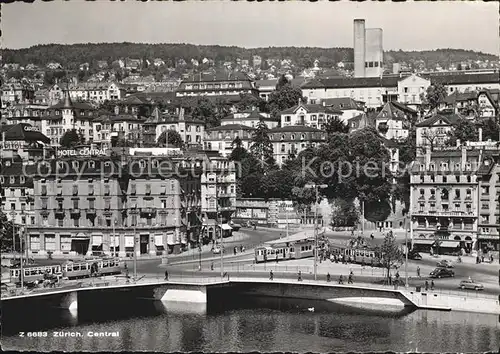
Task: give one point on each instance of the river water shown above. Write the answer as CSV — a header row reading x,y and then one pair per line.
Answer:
x,y
251,324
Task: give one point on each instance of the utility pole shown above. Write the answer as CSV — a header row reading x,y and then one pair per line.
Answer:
x,y
219,221
135,251
286,214
114,238
21,254
315,187
406,253
363,217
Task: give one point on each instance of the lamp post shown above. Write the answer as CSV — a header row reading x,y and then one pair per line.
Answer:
x,y
135,251
114,238
21,255
406,253
315,187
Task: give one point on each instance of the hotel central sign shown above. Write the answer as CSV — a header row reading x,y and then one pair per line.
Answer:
x,y
85,152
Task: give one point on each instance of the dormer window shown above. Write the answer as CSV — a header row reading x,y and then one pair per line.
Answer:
x,y
282,137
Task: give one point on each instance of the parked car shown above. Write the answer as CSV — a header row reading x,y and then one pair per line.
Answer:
x,y
442,273
216,250
414,255
445,264
470,284
236,227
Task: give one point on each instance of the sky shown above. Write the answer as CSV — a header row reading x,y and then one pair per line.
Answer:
x,y
406,26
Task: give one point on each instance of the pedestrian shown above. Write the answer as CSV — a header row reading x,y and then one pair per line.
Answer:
x,y
241,248
234,250
418,271
432,284
341,279
212,266
372,236
276,258
491,258
271,275
299,276
328,277
166,274
426,285
349,281
482,258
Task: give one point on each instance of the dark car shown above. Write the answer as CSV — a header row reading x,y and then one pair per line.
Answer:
x,y
445,264
415,256
442,273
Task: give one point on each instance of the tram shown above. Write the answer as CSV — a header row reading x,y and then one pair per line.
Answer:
x,y
69,270
282,251
359,255
83,269
35,273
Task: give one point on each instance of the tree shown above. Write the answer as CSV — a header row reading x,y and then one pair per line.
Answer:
x,y
249,101
464,130
6,229
376,211
239,152
72,138
282,82
286,97
491,130
336,125
174,138
435,93
261,147
344,213
390,253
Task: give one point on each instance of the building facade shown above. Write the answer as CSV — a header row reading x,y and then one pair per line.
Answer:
x,y
444,195
289,141
222,138
310,115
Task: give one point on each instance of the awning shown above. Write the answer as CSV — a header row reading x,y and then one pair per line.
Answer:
x,y
449,244
96,240
129,241
159,240
423,242
170,238
226,227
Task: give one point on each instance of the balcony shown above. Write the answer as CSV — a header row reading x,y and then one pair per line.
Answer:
x,y
227,208
75,213
91,212
445,213
59,213
148,212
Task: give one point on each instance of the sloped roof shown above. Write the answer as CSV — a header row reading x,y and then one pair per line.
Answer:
x,y
311,108
218,76
230,127
75,105
18,132
294,128
394,112
343,103
348,82
449,119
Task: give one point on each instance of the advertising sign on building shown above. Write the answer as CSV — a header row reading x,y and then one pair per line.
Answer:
x,y
85,152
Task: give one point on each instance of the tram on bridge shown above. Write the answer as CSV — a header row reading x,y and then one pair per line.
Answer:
x,y
70,270
292,247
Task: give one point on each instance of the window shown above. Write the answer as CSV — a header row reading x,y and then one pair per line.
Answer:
x,y
75,189
148,189
468,207
422,206
445,179
75,204
485,190
91,189
60,222
485,206
457,193
44,190
133,220
484,219
76,222
91,203
107,204
132,189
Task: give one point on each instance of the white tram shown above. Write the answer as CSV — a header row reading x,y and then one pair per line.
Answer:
x,y
285,250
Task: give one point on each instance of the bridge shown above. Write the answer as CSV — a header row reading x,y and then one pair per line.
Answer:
x,y
203,291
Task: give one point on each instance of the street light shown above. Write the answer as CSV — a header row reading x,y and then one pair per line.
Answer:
x,y
406,252
315,187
